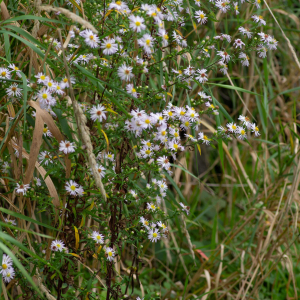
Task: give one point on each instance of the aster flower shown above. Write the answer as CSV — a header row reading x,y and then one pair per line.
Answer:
x,y
110,46
8,275
66,147
110,253
200,17
14,91
98,113
154,235
57,245
185,208
72,187
137,23
22,188
6,264
98,237
259,19
125,73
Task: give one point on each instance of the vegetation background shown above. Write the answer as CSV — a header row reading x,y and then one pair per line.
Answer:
x,y
241,239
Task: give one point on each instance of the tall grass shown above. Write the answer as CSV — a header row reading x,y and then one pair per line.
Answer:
x,y
240,240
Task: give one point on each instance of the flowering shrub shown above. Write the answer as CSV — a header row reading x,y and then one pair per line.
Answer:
x,y
109,127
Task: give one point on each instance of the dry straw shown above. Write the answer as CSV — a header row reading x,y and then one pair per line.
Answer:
x,y
69,15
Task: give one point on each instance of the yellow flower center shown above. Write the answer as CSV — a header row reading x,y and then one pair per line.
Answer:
x,y
243,132
192,115
202,16
166,37
98,237
16,68
260,17
187,123
45,96
43,77
49,83
4,266
147,121
58,245
212,106
3,73
170,113
153,14
175,146
163,133
148,152
65,80
182,113
119,2
109,253
91,37
133,90
108,45
73,187
45,130
58,87
234,127
146,223
148,41
148,144
154,234
137,23
152,206
256,129
176,134
236,7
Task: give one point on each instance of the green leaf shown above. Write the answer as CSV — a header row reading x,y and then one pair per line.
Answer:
x,y
64,124
17,215
236,88
176,187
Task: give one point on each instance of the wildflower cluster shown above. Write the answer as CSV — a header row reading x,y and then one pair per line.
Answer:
x,y
141,82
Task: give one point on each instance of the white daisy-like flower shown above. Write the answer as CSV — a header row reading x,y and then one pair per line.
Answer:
x,y
154,235
47,132
164,35
10,222
245,31
6,264
232,127
66,147
137,23
110,253
238,43
201,75
163,162
14,91
185,208
146,42
246,121
144,222
236,7
101,170
225,57
109,156
125,73
72,187
202,137
16,69
223,5
8,275
92,40
46,157
4,74
255,129
110,46
98,113
200,17
65,82
5,167
261,51
245,59
241,133
37,181
22,188
57,245
98,237
151,206
131,90
259,19
41,78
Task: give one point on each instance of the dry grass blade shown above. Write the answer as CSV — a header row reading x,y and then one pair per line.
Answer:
x,y
69,15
